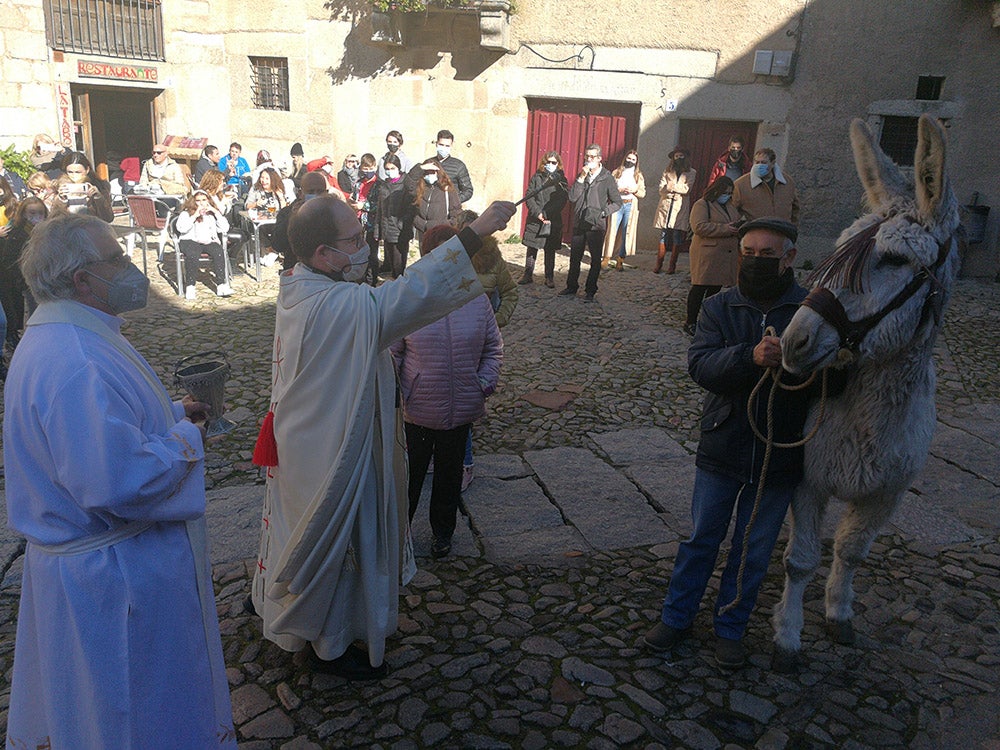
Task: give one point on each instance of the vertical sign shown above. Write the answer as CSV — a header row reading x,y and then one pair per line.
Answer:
x,y
64,111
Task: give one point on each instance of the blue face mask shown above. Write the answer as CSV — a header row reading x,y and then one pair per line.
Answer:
x,y
762,170
724,199
127,289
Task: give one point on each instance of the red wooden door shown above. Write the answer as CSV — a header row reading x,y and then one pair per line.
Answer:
x,y
568,126
706,140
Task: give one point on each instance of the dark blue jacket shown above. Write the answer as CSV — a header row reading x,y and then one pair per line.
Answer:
x,y
721,361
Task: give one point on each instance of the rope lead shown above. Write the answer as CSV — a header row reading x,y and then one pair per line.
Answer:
x,y
774,374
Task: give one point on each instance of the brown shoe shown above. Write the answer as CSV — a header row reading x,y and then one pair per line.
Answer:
x,y
549,282
661,637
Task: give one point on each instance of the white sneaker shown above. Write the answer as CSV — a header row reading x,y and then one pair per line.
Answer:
x,y
468,474
190,293
224,290
268,260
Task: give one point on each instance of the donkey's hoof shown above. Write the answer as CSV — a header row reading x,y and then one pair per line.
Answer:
x,y
840,631
784,661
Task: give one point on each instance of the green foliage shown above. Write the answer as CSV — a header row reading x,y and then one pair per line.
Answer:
x,y
513,239
17,161
417,6
807,265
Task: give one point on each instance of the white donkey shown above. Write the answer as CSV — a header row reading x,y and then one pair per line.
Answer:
x,y
877,303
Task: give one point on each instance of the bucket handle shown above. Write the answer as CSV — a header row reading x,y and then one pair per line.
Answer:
x,y
216,353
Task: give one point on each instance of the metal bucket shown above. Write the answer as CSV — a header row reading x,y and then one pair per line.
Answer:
x,y
205,379
975,219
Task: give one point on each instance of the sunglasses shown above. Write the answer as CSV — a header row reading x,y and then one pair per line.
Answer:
x,y
161,151
552,162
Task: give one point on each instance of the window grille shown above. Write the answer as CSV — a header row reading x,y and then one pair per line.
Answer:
x,y
112,28
899,139
269,82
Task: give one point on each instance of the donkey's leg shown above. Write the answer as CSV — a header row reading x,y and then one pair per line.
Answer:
x,y
801,558
855,534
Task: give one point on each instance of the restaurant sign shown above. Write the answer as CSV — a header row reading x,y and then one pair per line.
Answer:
x,y
140,73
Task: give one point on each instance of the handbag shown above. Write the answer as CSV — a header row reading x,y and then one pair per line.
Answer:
x,y
544,229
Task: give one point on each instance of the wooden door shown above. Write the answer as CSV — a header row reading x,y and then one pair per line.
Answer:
x,y
706,140
568,126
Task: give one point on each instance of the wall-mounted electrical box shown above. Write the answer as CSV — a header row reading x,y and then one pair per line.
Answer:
x,y
772,63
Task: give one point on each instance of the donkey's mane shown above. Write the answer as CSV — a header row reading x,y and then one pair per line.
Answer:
x,y
846,266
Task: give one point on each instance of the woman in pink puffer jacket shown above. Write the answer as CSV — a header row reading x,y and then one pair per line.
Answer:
x,y
446,371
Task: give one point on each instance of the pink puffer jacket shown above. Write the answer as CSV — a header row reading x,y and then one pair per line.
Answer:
x,y
447,369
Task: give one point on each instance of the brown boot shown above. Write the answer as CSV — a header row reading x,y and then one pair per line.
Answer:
x,y
672,265
621,263
660,254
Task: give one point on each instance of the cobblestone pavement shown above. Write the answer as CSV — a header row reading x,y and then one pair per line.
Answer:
x,y
527,636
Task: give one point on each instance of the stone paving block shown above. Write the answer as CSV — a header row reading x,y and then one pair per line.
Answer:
x,y
921,517
973,453
233,518
500,466
669,484
537,544
974,500
600,502
502,508
646,445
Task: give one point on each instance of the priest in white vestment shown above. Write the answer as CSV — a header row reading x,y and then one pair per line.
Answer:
x,y
333,535
117,638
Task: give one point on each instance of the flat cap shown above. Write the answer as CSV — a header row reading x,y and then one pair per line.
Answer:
x,y
772,224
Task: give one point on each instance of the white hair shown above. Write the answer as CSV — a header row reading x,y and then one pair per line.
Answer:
x,y
58,248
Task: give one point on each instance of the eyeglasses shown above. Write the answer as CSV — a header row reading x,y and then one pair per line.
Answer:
x,y
119,260
161,151
356,243
552,161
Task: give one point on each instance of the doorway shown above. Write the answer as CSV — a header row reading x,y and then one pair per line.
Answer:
x,y
113,123
568,126
706,140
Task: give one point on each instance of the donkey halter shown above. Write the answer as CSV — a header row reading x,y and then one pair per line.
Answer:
x,y
853,332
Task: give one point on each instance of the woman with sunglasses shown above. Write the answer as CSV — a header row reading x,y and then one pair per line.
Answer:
x,y
622,225
543,230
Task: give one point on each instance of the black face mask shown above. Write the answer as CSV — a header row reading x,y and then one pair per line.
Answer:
x,y
393,147
760,280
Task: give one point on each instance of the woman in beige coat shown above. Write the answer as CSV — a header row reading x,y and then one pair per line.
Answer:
x,y
714,247
631,186
674,208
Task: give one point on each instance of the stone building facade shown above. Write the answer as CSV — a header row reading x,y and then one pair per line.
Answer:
x,y
513,81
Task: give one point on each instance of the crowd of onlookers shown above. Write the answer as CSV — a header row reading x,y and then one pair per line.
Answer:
x,y
396,200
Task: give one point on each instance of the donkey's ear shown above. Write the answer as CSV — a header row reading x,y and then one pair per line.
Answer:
x,y
928,166
881,178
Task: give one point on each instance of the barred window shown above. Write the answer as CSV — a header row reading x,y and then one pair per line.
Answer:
x,y
269,82
113,28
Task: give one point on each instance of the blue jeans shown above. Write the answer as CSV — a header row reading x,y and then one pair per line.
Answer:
x,y
711,508
620,219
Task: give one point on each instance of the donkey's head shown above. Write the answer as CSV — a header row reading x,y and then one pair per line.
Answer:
x,y
883,290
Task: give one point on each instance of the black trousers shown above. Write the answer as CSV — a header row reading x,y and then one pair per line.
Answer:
x,y
448,450
192,252
695,297
396,255
592,240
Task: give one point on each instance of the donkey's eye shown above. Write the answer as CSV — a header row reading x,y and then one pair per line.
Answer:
x,y
894,260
